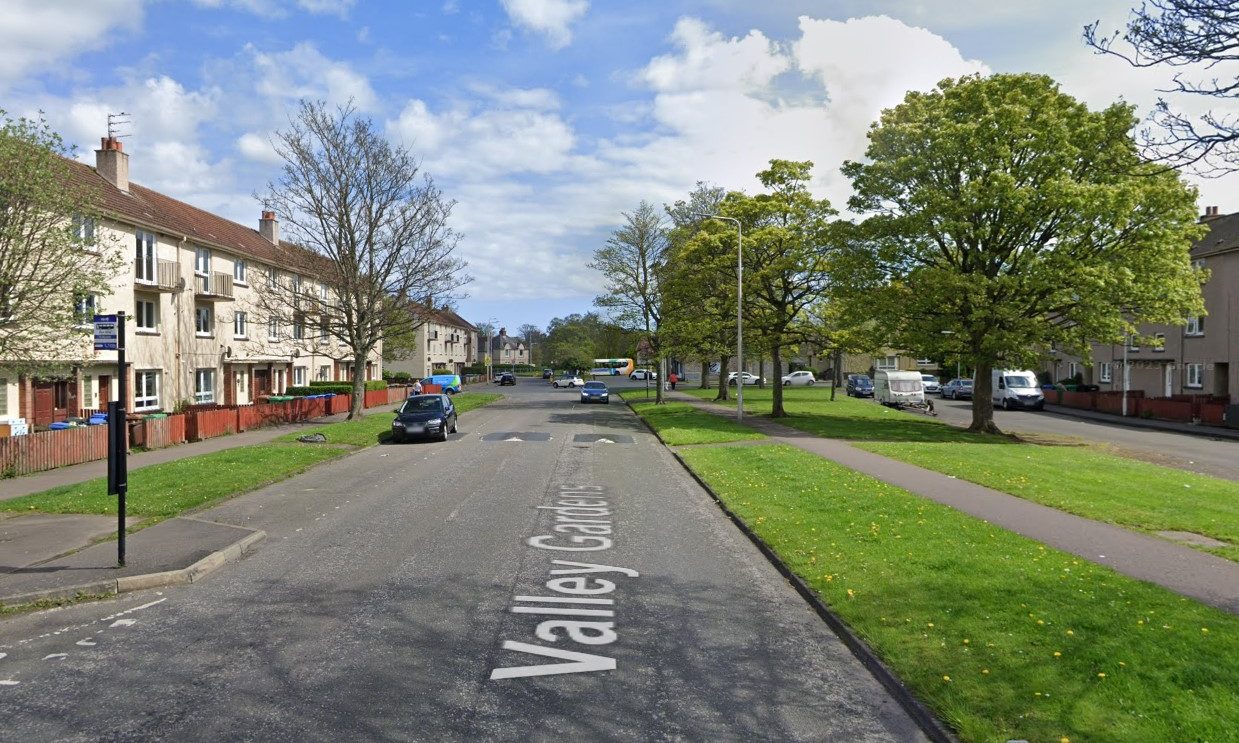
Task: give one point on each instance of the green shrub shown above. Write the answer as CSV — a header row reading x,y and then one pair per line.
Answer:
x,y
321,388
377,384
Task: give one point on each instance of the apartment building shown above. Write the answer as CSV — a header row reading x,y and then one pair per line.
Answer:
x,y
1200,357
444,343
196,332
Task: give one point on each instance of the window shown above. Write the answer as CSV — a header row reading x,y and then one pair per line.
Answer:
x,y
1159,343
84,309
202,262
147,316
146,257
273,329
239,325
1072,369
296,284
924,362
1195,375
323,371
886,362
1132,345
298,327
324,329
1195,326
4,396
204,386
272,278
238,271
299,375
322,292
145,390
84,230
202,321
1107,373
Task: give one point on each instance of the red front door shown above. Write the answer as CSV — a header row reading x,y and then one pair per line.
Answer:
x,y
262,383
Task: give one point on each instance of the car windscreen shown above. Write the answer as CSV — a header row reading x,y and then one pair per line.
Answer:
x,y
595,386
863,381
422,405
1019,382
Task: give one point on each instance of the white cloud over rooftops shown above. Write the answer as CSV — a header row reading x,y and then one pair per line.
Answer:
x,y
551,18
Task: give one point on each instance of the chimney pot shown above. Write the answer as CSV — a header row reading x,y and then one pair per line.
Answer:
x,y
112,163
269,228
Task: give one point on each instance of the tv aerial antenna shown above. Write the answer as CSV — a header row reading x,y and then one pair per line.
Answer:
x,y
115,122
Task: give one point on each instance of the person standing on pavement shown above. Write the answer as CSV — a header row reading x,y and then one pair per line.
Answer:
x,y
417,387
673,378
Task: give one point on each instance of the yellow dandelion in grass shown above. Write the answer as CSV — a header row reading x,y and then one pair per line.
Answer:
x,y
1040,621
1057,654
965,640
1064,739
985,671
1101,675
930,624
946,679
1069,632
1204,630
851,594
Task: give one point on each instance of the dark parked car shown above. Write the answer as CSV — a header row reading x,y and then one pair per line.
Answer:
x,y
595,392
548,374
859,385
958,389
424,417
506,378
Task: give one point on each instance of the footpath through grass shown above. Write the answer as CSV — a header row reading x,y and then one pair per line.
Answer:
x,y
1084,480
1002,637
165,490
679,423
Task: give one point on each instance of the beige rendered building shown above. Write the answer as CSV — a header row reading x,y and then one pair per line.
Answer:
x,y
191,289
445,343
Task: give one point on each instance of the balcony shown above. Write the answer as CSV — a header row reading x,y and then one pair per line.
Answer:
x,y
215,287
167,276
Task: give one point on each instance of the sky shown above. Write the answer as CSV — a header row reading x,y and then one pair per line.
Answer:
x,y
544,120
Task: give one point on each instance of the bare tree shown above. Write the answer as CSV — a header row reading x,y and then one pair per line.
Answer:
x,y
631,261
372,227
1176,34
531,334
53,263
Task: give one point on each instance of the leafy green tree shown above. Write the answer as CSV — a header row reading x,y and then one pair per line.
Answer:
x,y
1008,218
55,255
632,260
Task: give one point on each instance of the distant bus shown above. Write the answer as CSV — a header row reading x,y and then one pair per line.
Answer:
x,y
612,367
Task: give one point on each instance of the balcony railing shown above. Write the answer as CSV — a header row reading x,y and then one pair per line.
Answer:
x,y
167,276
214,287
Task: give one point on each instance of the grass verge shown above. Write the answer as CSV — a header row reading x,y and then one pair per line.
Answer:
x,y
1002,637
165,490
9,610
679,423
1082,479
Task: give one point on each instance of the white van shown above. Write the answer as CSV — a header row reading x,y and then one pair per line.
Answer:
x,y
1013,388
896,388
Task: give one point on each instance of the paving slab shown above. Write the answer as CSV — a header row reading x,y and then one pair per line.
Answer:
x,y
29,540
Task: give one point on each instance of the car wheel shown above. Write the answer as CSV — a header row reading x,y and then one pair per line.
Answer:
x,y
555,385
397,438
1006,404
811,382
455,424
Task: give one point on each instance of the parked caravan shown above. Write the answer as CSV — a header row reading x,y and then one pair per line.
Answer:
x,y
899,388
1014,388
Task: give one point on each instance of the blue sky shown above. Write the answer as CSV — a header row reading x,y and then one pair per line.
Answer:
x,y
543,119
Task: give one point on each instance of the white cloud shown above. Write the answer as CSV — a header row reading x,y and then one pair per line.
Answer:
x,y
257,147
280,8
327,7
36,34
304,72
552,18
705,60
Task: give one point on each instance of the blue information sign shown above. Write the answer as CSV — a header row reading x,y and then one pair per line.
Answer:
x,y
106,337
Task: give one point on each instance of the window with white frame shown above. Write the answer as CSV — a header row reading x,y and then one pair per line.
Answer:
x,y
1195,326
204,386
145,260
146,316
240,325
203,326
84,308
238,271
4,396
272,277
324,329
202,262
1195,376
84,230
299,375
322,292
298,327
886,362
296,284
1132,344
145,389
1106,372
924,362
273,328
1159,343
323,371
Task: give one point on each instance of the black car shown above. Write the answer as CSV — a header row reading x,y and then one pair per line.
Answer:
x,y
859,385
424,417
506,378
548,374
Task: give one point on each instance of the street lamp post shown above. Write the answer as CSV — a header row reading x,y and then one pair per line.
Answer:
x,y
739,309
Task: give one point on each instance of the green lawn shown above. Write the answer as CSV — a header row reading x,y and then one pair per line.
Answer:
x,y
161,491
1002,637
1084,480
679,423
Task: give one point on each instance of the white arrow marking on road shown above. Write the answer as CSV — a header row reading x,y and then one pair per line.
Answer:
x,y
604,441
9,682
4,655
55,656
87,643
123,623
513,438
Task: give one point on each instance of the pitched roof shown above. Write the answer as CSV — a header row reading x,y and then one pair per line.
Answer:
x,y
1223,236
149,208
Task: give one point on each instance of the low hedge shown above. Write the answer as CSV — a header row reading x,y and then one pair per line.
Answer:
x,y
339,388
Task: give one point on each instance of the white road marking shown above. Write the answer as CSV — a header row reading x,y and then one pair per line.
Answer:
x,y
123,623
3,656
513,438
55,656
87,642
9,682
604,441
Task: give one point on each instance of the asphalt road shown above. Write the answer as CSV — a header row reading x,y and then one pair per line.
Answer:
x,y
1217,457
407,593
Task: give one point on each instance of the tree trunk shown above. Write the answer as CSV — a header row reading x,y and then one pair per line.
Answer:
x,y
705,371
722,379
776,372
358,403
761,372
837,373
982,399
658,388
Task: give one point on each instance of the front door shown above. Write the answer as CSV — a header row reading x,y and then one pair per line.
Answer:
x,y
1169,381
262,383
105,391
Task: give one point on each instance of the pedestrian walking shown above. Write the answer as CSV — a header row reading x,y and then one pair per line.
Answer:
x,y
417,387
673,378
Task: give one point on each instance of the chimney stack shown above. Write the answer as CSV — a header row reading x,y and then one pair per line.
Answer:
x,y
1210,213
112,163
269,228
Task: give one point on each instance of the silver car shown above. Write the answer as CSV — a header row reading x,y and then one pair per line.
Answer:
x,y
957,389
932,386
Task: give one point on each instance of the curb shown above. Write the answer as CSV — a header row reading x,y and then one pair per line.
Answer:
x,y
1208,432
924,719
113,586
